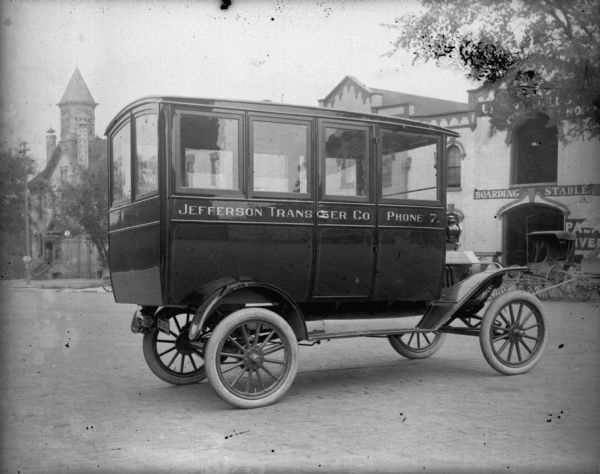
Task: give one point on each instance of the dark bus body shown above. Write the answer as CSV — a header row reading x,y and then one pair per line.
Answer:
x,y
172,242
333,222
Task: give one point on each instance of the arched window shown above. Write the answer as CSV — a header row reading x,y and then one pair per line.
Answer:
x,y
454,158
535,152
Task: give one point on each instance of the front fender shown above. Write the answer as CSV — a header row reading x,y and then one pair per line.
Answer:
x,y
455,297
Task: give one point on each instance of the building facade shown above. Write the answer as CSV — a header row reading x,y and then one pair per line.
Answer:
x,y
57,251
501,185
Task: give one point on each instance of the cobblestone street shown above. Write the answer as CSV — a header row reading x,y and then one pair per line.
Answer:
x,y
77,396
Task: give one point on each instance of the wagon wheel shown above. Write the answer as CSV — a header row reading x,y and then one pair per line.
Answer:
x,y
537,286
251,358
417,345
514,332
171,357
555,276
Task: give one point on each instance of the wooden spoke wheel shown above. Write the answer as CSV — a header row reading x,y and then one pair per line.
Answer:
x,y
514,332
171,357
417,345
555,278
252,358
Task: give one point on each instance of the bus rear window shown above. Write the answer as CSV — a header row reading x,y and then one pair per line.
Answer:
x,y
146,145
209,152
121,164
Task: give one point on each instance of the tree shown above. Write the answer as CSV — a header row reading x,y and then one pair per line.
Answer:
x,y
83,204
536,55
15,166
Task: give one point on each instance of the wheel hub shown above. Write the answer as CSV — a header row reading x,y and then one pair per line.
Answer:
x,y
182,343
516,333
254,358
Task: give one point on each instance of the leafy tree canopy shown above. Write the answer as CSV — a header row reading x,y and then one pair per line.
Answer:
x,y
83,204
536,55
15,166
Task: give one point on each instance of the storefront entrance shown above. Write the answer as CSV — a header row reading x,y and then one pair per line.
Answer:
x,y
521,220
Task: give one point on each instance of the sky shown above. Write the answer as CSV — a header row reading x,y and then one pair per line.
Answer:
x,y
293,51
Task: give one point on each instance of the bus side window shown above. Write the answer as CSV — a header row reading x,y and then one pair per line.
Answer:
x,y
121,164
279,153
146,145
408,165
346,162
209,150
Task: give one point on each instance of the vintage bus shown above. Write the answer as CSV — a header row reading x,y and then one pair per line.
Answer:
x,y
242,229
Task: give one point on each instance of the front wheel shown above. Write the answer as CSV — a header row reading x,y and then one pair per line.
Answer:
x,y
251,358
172,357
513,332
417,345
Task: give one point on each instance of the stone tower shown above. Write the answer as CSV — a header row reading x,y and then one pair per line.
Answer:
x,y
77,118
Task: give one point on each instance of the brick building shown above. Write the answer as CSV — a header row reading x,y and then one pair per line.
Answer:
x,y
502,185
58,252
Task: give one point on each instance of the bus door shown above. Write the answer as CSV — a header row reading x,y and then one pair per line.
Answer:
x,y
410,216
345,214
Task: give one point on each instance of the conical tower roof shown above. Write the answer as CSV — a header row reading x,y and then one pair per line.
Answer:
x,y
77,91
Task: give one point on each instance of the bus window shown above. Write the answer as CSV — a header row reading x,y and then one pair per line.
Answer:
x,y
121,164
408,165
146,145
279,153
346,162
209,152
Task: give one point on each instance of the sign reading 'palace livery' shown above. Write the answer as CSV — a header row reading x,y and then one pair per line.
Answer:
x,y
548,191
304,213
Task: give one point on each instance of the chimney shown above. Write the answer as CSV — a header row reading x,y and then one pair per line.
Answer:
x,y
50,143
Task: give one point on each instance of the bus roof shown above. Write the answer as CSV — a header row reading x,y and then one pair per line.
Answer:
x,y
272,107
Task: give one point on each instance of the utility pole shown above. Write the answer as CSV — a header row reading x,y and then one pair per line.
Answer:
x,y
27,257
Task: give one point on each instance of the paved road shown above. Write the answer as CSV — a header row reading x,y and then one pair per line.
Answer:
x,y
78,397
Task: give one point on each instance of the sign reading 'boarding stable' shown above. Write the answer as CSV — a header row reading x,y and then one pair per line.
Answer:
x,y
547,191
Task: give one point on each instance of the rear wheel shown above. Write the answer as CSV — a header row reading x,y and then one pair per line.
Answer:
x,y
171,357
252,358
417,345
513,332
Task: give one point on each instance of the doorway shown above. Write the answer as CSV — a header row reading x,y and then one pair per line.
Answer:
x,y
48,252
520,221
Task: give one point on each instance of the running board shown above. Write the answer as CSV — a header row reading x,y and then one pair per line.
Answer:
x,y
338,328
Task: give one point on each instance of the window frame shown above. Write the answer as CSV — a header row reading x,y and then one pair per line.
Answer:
x,y
440,164
288,120
515,159
177,162
134,160
453,187
125,122
324,124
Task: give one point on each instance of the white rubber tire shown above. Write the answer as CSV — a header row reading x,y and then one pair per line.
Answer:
x,y
407,349
506,326
213,357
